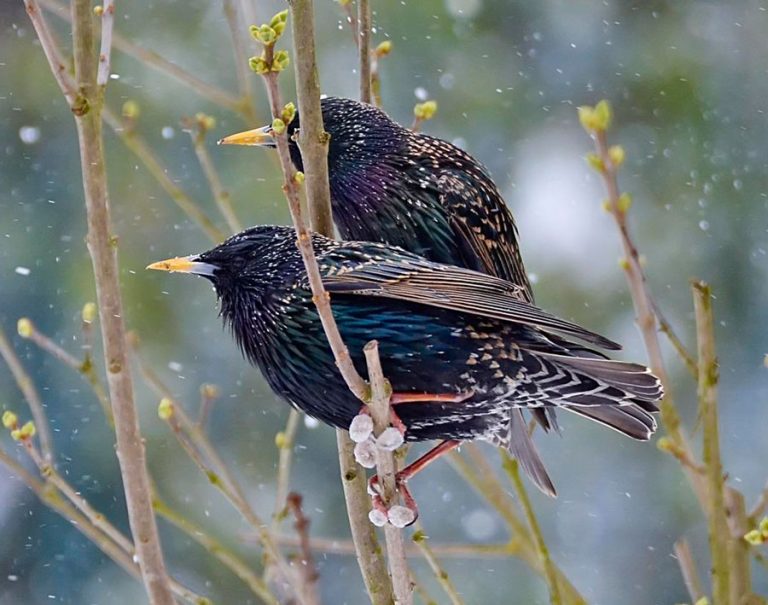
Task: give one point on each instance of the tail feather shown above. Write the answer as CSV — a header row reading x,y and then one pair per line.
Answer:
x,y
522,448
631,420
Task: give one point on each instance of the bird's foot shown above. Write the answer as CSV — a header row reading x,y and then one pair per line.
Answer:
x,y
398,515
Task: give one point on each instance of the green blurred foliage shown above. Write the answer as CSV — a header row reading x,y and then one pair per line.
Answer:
x,y
687,83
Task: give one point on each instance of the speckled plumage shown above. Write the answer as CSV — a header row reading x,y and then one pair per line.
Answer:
x,y
441,330
392,185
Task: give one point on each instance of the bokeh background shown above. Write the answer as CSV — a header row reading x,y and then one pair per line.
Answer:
x,y
688,83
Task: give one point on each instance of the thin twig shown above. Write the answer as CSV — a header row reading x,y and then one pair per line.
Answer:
x,y
335,546
708,377
481,476
688,569
144,152
513,471
84,368
386,469
51,51
228,558
682,352
760,506
49,496
420,540
285,457
28,389
199,448
644,308
131,453
236,31
738,547
308,568
105,51
314,157
220,195
351,19
364,49
154,61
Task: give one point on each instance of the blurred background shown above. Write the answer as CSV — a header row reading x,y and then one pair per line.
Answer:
x,y
688,83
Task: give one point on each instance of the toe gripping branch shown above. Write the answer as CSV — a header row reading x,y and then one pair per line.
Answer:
x,y
402,516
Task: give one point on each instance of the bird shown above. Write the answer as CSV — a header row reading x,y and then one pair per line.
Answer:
x,y
464,355
392,185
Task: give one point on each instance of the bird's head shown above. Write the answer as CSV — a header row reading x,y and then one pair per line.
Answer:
x,y
246,270
359,133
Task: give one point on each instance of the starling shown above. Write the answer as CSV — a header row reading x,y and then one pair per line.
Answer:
x,y
408,189
464,355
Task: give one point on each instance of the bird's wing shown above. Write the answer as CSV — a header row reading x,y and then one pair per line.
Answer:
x,y
484,227
411,278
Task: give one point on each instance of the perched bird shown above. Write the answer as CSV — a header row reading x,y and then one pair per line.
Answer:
x,y
464,355
408,189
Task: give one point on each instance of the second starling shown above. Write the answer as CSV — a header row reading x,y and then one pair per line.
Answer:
x,y
408,189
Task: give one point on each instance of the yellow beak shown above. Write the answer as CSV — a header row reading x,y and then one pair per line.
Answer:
x,y
183,264
259,137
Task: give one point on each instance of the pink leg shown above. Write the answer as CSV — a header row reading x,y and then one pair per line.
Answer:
x,y
409,471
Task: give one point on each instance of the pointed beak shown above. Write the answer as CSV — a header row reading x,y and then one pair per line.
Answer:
x,y
259,137
184,264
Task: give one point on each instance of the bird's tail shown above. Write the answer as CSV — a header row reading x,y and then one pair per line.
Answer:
x,y
617,394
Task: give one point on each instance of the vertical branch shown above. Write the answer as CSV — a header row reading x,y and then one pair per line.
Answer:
x,y
688,569
107,25
550,573
102,248
364,49
708,377
420,539
607,161
308,569
386,468
27,387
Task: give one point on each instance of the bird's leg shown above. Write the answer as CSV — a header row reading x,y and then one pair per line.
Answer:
x,y
402,477
399,398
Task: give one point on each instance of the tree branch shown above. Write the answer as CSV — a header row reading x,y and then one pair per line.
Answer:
x,y
386,469
513,471
708,377
314,158
154,61
364,49
28,389
107,25
420,539
688,569
102,248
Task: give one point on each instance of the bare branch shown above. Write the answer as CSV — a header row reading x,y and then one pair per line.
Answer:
x,y
236,31
228,558
155,61
197,132
85,368
364,49
105,52
101,246
643,304
420,539
28,389
511,467
308,568
144,152
386,469
315,159
49,496
285,445
708,378
51,50
688,569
